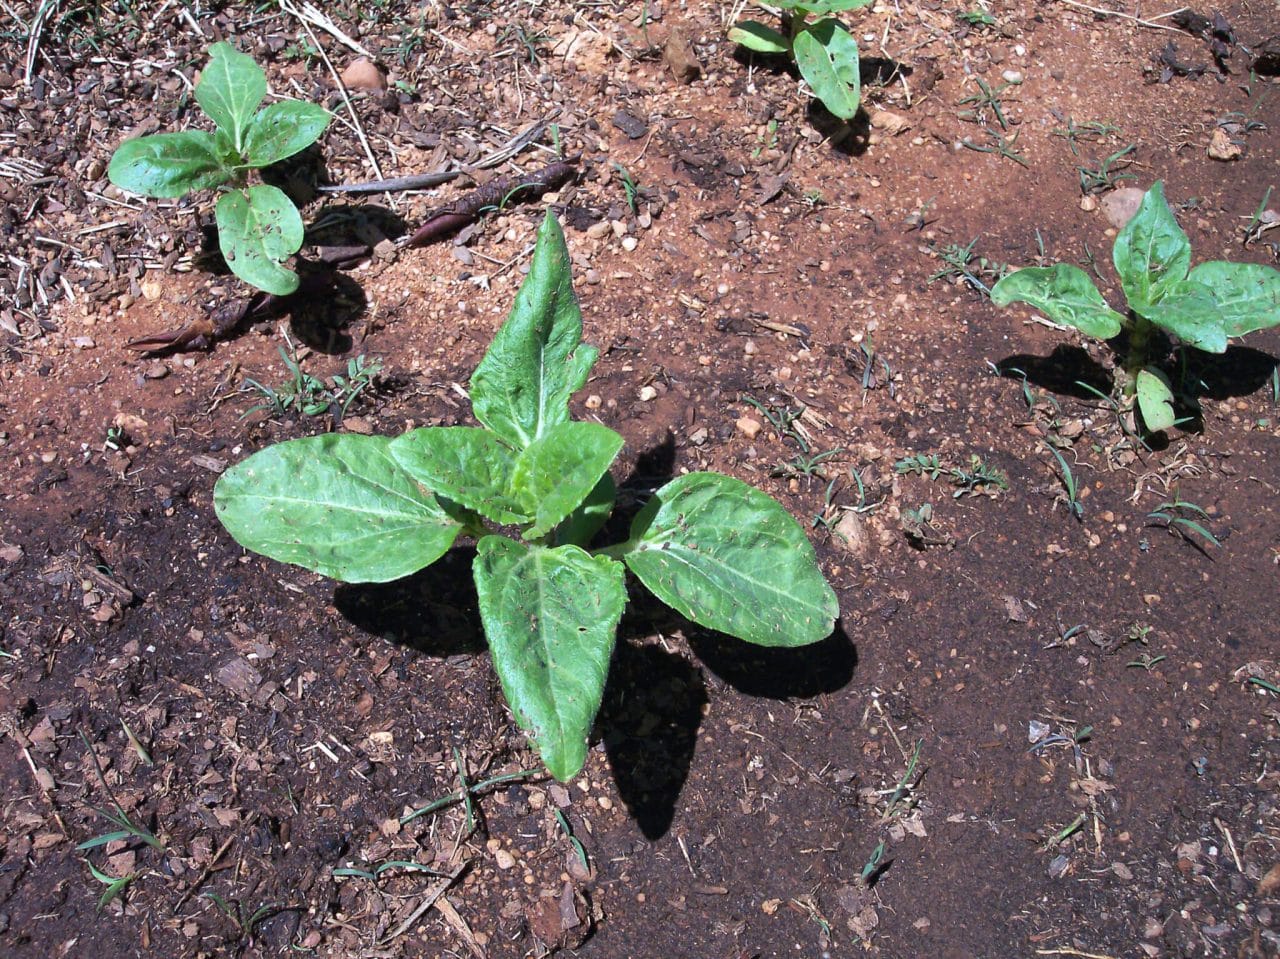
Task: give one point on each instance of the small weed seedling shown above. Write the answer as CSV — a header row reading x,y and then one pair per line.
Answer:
x,y
258,226
310,395
1069,487
368,509
962,263
1203,307
986,101
976,18
1108,174
825,52
978,478
631,190
1176,516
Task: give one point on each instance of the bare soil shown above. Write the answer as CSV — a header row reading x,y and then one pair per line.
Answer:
x,y
1039,730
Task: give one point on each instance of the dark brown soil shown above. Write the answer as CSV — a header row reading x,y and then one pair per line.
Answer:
x,y
1059,735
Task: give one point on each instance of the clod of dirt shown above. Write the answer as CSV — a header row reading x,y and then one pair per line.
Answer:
x,y
560,923
890,123
1266,61
678,53
1221,146
1269,883
851,534
1119,206
363,74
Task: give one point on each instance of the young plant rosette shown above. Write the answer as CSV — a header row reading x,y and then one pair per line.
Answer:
x,y
825,52
365,509
1203,306
258,226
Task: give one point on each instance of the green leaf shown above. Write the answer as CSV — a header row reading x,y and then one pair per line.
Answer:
x,y
550,616
339,505
554,474
231,87
756,36
282,129
1189,310
168,164
466,464
537,360
257,228
1155,400
591,515
1151,253
1247,294
1065,294
827,56
727,556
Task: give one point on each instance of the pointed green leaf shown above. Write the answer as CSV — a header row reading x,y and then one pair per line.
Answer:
x,y
168,164
257,228
1155,400
1189,311
466,464
537,361
550,616
554,474
1247,294
231,87
1065,294
282,129
727,556
827,56
591,515
756,36
1151,253
338,505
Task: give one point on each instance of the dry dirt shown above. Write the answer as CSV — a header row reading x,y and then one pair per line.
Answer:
x,y
1033,733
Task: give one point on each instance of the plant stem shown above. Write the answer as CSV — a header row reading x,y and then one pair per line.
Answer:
x,y
1136,361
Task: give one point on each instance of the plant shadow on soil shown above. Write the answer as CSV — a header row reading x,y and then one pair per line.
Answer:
x,y
654,697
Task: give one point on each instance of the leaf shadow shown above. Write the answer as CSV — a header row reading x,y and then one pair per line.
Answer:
x,y
433,611
1240,371
1061,372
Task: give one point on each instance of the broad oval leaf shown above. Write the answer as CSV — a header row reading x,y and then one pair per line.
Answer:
x,y
1151,253
591,515
550,617
280,130
1155,400
168,164
466,464
554,474
1065,294
231,87
257,228
1189,310
809,7
827,56
537,360
338,505
729,557
1247,294
756,36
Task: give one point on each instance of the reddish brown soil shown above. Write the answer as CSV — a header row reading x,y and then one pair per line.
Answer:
x,y
736,796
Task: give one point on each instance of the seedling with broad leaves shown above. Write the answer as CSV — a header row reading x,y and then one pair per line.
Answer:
x,y
1203,306
258,226
824,51
367,509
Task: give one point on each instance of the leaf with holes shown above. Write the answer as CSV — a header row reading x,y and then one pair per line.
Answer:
x,y
550,616
339,505
282,129
257,229
1065,294
168,164
231,87
729,557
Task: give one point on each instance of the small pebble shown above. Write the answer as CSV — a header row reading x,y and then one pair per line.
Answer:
x,y
648,394
629,243
748,427
593,402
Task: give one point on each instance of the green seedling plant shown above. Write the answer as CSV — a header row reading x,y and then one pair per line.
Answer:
x,y
1202,307
258,225
532,487
824,51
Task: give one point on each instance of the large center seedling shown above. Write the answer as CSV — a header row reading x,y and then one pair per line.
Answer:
x,y
371,509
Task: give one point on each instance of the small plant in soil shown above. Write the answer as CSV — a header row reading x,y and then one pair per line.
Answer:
x,y
258,225
824,51
532,487
1202,307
